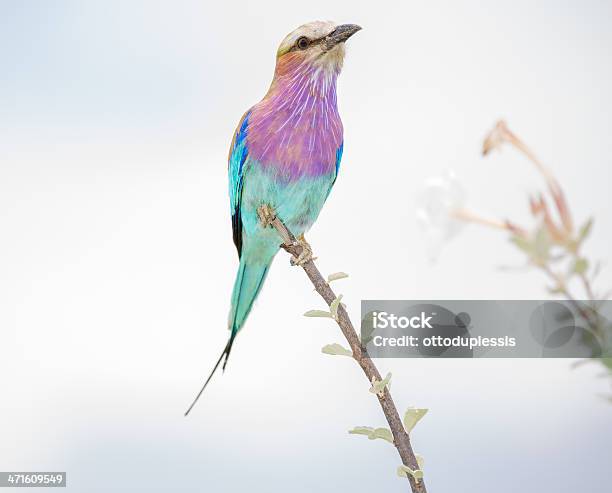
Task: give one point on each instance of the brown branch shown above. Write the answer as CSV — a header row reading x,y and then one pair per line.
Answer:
x,y
401,440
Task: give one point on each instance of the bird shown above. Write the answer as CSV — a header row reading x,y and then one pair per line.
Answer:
x,y
284,160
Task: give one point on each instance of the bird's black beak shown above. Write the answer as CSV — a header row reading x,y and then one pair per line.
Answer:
x,y
341,34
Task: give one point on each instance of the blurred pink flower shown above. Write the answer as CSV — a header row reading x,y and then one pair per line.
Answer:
x,y
501,134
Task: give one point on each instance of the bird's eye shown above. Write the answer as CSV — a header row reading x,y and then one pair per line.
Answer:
x,y
302,43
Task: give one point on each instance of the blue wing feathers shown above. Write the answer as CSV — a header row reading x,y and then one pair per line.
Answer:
x,y
237,158
338,159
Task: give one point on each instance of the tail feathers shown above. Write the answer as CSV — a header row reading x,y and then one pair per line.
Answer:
x,y
225,353
228,349
248,283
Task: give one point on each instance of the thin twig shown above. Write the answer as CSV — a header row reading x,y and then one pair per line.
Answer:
x,y
401,440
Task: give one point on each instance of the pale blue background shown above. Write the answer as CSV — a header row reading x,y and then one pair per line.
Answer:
x,y
116,261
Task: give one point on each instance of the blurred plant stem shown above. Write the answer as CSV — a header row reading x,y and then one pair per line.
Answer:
x,y
553,245
472,217
401,439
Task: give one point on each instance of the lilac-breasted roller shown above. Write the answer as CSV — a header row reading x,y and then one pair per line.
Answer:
x,y
285,156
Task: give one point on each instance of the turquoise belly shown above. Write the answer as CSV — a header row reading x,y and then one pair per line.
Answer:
x,y
296,203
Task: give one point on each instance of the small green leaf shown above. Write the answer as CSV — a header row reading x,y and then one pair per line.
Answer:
x,y
318,313
420,460
541,246
361,430
337,275
404,471
585,230
580,266
378,386
373,433
336,350
523,243
412,416
383,434
367,328
333,307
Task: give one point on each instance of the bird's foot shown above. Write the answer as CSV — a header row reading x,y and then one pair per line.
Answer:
x,y
266,215
305,255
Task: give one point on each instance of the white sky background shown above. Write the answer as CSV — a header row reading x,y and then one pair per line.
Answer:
x,y
116,259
